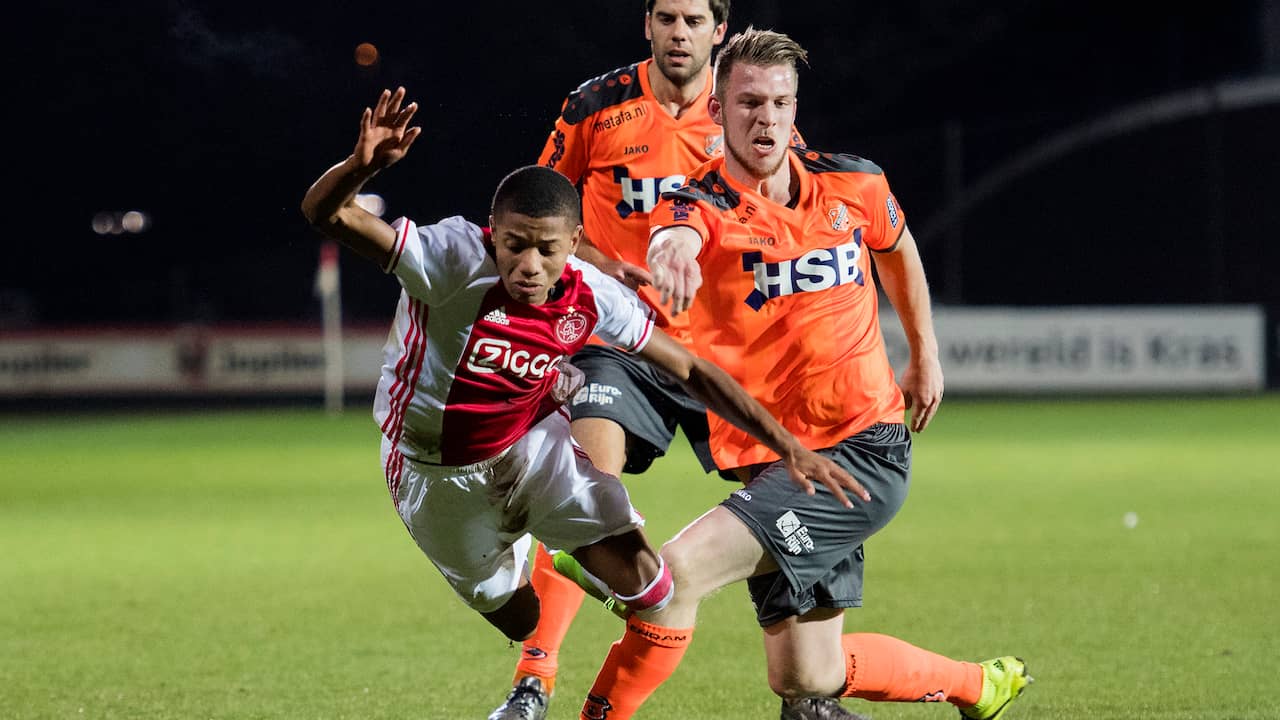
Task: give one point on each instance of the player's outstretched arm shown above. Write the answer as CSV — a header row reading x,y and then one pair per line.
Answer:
x,y
330,203
673,261
726,398
902,276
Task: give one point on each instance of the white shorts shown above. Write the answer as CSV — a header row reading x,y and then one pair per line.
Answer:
x,y
474,521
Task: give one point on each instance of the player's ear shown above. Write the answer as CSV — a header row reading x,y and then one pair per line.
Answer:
x,y
715,109
575,239
648,34
719,34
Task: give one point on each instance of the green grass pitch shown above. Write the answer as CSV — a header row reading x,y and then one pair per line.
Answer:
x,y
249,564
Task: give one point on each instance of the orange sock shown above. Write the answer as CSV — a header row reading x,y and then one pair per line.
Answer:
x,y
637,664
560,598
886,669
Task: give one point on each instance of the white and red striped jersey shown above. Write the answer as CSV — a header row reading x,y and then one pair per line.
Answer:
x,y
467,370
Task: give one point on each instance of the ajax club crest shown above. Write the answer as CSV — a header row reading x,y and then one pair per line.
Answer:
x,y
571,326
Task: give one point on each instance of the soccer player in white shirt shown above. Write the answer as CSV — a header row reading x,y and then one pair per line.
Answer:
x,y
476,448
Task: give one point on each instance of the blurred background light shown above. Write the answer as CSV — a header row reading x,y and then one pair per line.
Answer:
x,y
115,223
134,221
366,54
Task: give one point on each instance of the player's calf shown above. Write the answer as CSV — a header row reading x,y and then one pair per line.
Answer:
x,y
653,596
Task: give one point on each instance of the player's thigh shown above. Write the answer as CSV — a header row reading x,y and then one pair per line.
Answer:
x,y
809,535
563,499
713,551
452,522
604,440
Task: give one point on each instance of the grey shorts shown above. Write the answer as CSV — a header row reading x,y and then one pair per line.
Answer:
x,y
815,541
645,401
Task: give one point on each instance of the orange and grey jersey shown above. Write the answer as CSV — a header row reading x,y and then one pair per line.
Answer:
x,y
788,305
623,149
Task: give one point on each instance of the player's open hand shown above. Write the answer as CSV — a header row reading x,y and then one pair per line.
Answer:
x,y
673,262
385,135
807,466
921,386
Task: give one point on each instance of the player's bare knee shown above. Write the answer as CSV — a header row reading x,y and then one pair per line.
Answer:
x,y
683,562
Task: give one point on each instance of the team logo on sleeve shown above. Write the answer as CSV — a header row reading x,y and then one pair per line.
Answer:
x,y
571,326
680,208
892,208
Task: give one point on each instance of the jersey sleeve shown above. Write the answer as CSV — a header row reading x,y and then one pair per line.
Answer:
x,y
433,262
623,319
566,148
681,207
886,218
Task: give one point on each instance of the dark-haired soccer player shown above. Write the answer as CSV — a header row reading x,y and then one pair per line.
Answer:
x,y
624,138
476,448
794,320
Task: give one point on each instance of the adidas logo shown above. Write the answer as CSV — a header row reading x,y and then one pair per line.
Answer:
x,y
497,316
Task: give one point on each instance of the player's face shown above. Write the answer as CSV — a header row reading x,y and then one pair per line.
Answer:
x,y
757,108
682,34
531,253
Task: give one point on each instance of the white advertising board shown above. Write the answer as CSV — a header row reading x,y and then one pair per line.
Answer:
x,y
1107,349
182,360
983,350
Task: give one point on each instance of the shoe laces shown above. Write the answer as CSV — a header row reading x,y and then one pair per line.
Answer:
x,y
526,700
822,708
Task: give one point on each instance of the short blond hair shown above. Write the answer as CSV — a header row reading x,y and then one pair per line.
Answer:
x,y
762,48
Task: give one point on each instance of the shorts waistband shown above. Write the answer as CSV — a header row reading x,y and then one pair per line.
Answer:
x,y
465,469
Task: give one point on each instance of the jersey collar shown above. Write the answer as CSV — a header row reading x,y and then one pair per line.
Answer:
x,y
797,171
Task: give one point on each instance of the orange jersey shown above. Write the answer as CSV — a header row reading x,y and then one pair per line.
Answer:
x,y
624,150
788,305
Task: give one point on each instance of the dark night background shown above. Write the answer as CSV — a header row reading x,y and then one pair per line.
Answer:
x,y
213,118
